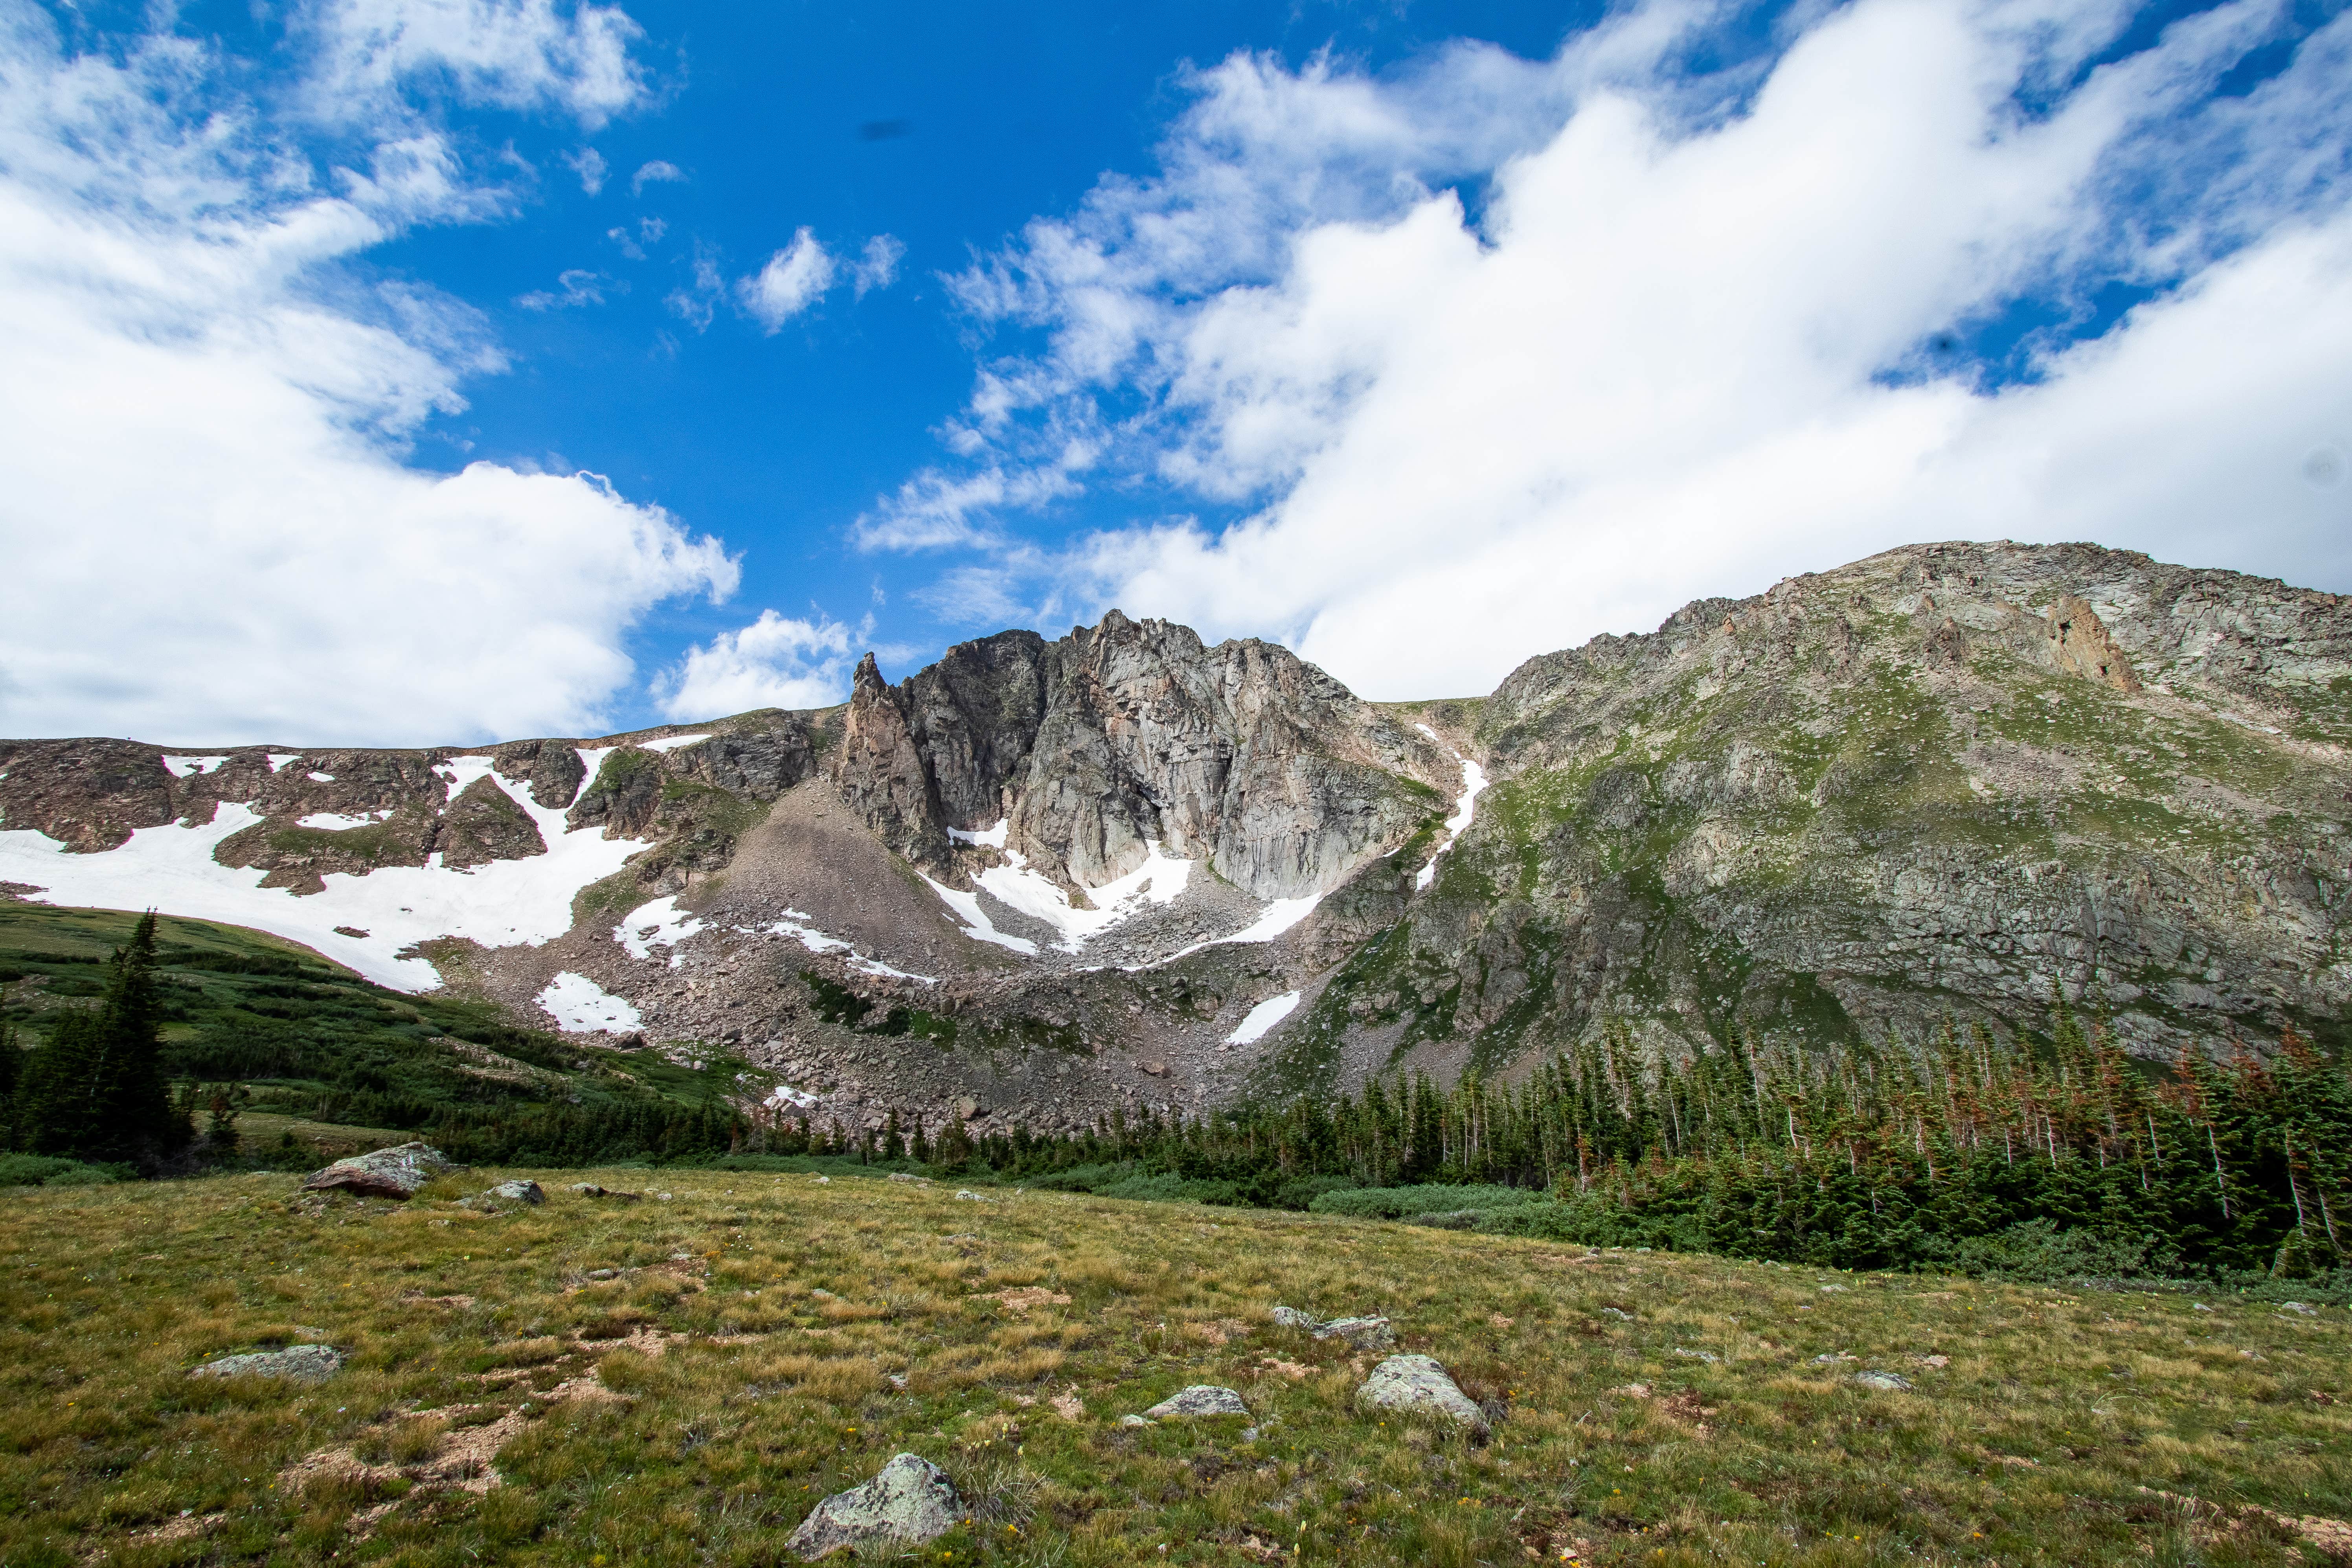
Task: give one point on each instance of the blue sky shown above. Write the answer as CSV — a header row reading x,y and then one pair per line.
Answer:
x,y
437,370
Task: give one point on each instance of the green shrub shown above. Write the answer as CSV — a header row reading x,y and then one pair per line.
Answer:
x,y
1402,1203
51,1170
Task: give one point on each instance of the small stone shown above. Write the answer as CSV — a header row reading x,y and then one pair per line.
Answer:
x,y
304,1363
1136,1421
1367,1333
1418,1384
968,1195
1891,1382
908,1502
601,1273
1363,1334
517,1193
1201,1399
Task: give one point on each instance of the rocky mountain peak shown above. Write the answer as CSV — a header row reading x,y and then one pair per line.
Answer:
x,y
1093,748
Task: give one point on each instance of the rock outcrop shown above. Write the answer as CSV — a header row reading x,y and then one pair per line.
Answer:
x,y
299,1363
399,1172
1132,734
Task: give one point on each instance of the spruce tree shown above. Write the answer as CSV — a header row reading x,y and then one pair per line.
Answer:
x,y
11,1079
96,1091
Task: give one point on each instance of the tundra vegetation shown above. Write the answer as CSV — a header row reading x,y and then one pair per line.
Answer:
x,y
680,1379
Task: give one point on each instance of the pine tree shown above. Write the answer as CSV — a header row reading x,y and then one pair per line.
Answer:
x,y
96,1091
11,1079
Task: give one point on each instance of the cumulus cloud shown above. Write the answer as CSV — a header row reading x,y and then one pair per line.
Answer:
x,y
590,165
516,54
794,278
660,171
774,662
879,266
1687,338
213,527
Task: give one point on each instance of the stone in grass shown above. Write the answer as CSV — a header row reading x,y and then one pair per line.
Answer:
x,y
1890,1381
516,1192
908,1502
1201,1399
1362,1333
399,1172
304,1363
1416,1384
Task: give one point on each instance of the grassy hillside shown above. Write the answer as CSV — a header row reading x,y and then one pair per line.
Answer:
x,y
677,1380
294,1039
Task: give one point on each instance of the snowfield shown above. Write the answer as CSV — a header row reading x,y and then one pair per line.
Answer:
x,y
1263,1017
504,903
580,1006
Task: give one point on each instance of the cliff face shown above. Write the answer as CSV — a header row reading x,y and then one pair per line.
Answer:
x,y
1133,733
1941,783
1041,879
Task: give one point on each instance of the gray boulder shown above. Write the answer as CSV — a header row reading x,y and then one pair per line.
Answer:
x,y
1201,1399
303,1363
399,1172
1363,1334
908,1502
1415,1385
517,1193
1889,1381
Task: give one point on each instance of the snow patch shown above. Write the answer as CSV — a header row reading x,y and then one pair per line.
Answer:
x,y
795,925
580,1007
671,743
658,924
277,760
1159,880
321,778
183,766
1474,780
501,903
976,923
784,1094
460,773
1262,1017
1280,917
992,837
335,823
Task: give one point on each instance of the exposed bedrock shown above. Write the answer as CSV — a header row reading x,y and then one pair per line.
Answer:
x,y
1095,746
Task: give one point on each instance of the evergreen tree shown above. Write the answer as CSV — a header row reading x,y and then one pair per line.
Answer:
x,y
96,1091
11,1079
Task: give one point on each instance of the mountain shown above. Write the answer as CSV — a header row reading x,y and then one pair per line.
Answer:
x,y
1043,879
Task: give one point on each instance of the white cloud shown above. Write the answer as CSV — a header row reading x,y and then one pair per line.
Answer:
x,y
211,525
517,54
590,165
660,171
934,510
794,278
774,662
1680,348
579,286
879,266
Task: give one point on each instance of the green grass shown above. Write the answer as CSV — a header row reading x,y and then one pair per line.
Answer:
x,y
309,1040
1663,1410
